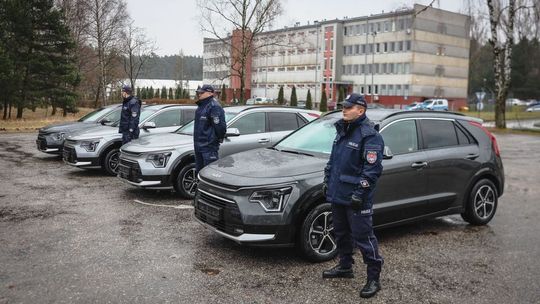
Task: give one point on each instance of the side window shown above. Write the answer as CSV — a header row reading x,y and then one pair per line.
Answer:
x,y
401,137
169,118
301,122
463,139
188,115
113,116
282,121
438,133
251,123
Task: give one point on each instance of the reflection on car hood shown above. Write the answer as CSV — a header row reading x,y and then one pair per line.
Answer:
x,y
157,142
93,132
261,166
65,126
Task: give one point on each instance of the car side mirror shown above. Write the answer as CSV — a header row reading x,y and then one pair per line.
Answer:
x,y
104,121
232,132
149,125
387,153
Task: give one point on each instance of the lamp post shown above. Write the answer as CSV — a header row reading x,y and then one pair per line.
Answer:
x,y
366,52
373,65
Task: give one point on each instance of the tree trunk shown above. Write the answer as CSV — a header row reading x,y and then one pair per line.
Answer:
x,y
98,93
53,110
9,112
64,110
5,109
20,109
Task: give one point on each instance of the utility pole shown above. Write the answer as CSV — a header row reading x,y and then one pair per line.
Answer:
x,y
316,62
365,57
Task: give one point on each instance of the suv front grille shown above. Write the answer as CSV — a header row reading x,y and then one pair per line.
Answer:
x,y
69,154
129,170
42,142
219,213
132,154
70,142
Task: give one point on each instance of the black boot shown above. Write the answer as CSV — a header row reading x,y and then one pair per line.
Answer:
x,y
370,289
338,272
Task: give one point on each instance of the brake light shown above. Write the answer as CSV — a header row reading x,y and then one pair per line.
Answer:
x,y
491,137
314,115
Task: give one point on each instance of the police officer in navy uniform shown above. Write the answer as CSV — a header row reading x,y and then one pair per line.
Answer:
x,y
129,118
209,129
350,177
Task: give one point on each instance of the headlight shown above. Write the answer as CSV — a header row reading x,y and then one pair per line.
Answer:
x,y
159,160
90,145
271,200
58,136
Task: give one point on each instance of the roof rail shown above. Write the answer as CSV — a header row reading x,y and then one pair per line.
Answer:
x,y
423,112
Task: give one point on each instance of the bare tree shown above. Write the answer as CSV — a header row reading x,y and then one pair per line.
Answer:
x,y
136,51
107,21
245,20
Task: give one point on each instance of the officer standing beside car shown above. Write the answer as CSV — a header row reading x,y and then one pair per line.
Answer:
x,y
351,174
129,117
209,129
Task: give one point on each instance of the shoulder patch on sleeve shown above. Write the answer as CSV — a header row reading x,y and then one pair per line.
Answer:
x,y
371,156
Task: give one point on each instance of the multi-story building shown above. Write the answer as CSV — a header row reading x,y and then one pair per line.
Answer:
x,y
394,58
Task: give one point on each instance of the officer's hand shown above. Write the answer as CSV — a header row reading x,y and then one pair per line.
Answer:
x,y
324,189
356,203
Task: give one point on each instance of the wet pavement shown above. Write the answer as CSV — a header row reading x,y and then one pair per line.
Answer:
x,y
77,236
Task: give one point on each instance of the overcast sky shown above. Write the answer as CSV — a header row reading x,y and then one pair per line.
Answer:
x,y
173,24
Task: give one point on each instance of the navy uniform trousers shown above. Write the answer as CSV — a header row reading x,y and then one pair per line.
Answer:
x,y
355,229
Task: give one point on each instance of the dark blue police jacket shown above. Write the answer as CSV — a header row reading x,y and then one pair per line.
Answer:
x,y
210,126
129,117
355,163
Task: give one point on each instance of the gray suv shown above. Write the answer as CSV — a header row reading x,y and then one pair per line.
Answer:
x,y
51,138
99,146
435,164
165,161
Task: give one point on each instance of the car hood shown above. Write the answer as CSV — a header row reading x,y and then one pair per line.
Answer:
x,y
261,166
157,142
64,126
93,132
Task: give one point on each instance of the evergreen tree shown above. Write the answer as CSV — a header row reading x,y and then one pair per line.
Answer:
x,y
139,92
280,98
323,107
163,93
341,94
157,93
185,95
294,101
171,96
223,94
309,103
150,93
178,93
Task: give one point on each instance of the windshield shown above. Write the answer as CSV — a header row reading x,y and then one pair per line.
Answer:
x,y
188,128
145,113
94,115
428,102
316,137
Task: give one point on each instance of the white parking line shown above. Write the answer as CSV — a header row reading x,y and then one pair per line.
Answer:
x,y
167,206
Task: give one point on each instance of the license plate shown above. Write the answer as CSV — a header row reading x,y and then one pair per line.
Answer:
x,y
210,211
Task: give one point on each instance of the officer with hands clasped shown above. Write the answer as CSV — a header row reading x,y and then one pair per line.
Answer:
x,y
129,117
209,129
352,171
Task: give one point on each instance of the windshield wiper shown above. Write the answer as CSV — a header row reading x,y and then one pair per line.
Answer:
x,y
296,152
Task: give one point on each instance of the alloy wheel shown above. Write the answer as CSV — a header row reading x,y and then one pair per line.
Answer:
x,y
321,234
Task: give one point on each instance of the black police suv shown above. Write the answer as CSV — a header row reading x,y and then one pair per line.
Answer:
x,y
435,164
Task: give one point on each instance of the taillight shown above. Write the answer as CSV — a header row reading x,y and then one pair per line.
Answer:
x,y
314,115
491,136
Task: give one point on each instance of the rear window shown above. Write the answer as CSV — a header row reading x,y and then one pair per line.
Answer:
x,y
438,133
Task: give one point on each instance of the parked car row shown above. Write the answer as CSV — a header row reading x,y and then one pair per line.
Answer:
x,y
429,104
266,188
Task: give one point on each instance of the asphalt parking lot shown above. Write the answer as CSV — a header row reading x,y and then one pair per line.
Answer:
x,y
77,236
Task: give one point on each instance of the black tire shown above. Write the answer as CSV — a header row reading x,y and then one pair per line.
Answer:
x,y
316,239
184,181
110,161
481,203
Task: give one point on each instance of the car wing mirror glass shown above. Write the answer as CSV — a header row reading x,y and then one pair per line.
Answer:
x,y
149,125
387,153
105,121
231,132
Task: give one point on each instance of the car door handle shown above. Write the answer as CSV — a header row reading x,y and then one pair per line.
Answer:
x,y
264,140
472,156
419,165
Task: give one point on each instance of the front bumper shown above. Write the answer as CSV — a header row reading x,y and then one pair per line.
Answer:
x,y
131,172
232,216
72,156
45,146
